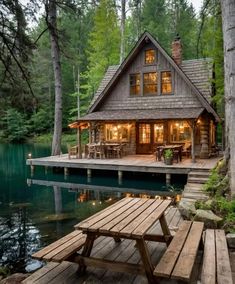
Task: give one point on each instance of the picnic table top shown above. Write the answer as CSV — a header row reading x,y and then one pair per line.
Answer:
x,y
128,218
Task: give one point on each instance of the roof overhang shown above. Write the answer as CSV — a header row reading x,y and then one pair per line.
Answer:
x,y
137,115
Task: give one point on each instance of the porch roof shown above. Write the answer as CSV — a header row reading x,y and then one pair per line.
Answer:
x,y
143,114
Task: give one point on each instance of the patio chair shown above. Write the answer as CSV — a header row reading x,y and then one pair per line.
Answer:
x,y
72,151
99,150
91,151
117,151
186,151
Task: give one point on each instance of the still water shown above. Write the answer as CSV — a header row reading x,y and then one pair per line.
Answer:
x,y
36,210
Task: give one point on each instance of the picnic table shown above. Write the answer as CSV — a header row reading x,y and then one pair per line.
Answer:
x,y
130,218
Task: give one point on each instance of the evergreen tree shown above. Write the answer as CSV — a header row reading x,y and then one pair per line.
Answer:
x,y
104,42
155,19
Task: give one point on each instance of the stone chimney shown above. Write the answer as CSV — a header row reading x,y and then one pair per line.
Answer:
x,y
177,50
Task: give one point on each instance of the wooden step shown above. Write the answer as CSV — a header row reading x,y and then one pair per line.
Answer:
x,y
203,174
201,180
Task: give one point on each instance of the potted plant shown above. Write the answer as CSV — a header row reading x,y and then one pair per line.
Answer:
x,y
168,156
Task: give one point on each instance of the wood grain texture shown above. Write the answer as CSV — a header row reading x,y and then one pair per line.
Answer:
x,y
209,258
169,259
224,275
184,266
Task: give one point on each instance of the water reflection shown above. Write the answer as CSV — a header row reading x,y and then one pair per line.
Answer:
x,y
36,211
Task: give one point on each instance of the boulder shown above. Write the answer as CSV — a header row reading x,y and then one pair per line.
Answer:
x,y
15,278
231,240
209,218
187,208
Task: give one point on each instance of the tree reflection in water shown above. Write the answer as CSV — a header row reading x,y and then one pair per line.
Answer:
x,y
18,239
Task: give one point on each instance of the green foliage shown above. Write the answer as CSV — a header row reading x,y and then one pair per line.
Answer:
x,y
103,43
41,121
16,128
168,153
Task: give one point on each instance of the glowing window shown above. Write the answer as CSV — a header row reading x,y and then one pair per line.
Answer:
x,y
150,83
135,84
150,56
158,133
180,131
166,84
144,133
117,132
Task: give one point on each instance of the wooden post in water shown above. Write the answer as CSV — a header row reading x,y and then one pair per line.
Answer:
x,y
168,179
89,173
66,171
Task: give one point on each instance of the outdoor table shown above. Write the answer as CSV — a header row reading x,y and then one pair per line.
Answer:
x,y
130,218
161,149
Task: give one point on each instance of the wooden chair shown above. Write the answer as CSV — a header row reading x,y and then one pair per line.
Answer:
x,y
117,151
99,150
186,150
73,151
91,151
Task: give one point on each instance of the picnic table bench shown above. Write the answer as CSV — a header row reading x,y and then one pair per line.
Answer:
x,y
179,258
130,218
216,264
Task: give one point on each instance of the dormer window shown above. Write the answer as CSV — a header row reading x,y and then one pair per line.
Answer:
x,y
150,56
135,84
166,82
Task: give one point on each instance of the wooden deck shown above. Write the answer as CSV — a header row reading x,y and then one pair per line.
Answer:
x,y
132,163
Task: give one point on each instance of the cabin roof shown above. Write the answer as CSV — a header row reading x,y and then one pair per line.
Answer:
x,y
195,73
166,113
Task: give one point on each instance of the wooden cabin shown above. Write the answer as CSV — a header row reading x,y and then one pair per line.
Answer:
x,y
153,99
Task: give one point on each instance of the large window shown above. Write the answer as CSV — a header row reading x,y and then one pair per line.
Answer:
x,y
158,133
117,132
150,83
135,84
166,83
180,131
150,56
144,133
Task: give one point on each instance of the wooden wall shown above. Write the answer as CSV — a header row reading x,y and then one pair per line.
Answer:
x,y
119,97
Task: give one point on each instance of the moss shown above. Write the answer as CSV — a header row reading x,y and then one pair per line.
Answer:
x,y
218,188
4,271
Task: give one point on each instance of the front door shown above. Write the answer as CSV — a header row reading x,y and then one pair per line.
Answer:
x,y
144,138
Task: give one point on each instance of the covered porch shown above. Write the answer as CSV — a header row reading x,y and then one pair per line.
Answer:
x,y
141,132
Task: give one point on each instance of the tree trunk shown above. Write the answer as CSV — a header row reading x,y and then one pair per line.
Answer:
x,y
55,54
228,21
123,22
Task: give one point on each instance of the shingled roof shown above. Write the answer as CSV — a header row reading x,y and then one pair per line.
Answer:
x,y
166,113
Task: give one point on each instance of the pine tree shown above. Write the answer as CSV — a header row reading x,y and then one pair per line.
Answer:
x,y
104,42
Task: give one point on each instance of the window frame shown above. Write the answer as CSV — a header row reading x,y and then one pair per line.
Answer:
x,y
171,131
119,129
155,56
130,85
169,93
157,84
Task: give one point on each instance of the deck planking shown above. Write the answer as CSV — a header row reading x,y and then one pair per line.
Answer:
x,y
130,163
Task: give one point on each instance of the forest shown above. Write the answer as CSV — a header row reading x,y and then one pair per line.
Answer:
x,y
90,35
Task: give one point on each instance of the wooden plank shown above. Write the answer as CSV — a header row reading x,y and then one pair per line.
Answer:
x,y
145,203
127,231
64,276
224,274
64,246
102,214
49,248
53,273
209,259
150,219
114,266
185,262
39,273
70,250
106,220
167,262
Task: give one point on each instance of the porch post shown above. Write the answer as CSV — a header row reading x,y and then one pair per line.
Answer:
x,y
90,133
79,142
193,142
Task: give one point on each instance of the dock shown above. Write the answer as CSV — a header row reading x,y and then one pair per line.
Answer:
x,y
130,163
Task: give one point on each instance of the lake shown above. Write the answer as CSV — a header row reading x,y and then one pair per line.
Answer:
x,y
36,210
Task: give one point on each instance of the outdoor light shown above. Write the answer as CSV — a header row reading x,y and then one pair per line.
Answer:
x,y
29,155
93,203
